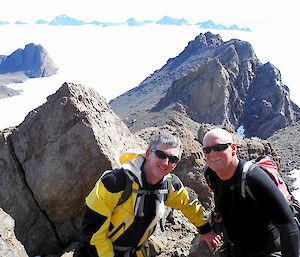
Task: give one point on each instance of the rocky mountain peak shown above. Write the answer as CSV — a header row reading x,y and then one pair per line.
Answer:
x,y
213,82
203,40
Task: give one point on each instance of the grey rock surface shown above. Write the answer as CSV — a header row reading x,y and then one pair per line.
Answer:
x,y
33,228
9,245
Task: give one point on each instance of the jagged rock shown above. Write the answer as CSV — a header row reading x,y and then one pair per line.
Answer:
x,y
215,82
59,151
268,107
9,245
34,61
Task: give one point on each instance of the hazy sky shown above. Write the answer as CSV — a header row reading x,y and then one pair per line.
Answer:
x,y
227,12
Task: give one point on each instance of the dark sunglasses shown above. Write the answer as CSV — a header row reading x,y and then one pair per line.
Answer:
x,y
216,148
162,155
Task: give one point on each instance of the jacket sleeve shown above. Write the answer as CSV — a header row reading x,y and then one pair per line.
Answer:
x,y
179,199
289,239
275,206
100,204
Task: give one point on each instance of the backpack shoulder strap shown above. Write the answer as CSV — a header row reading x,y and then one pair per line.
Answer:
x,y
128,188
209,177
248,166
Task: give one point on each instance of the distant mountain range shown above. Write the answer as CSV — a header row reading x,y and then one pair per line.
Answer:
x,y
63,20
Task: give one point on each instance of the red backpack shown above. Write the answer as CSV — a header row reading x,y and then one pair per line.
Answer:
x,y
270,167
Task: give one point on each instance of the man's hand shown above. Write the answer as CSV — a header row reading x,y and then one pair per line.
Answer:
x,y
213,241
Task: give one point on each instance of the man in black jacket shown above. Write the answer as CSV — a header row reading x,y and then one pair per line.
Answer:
x,y
261,228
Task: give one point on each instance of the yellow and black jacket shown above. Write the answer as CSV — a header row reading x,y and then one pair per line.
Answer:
x,y
113,228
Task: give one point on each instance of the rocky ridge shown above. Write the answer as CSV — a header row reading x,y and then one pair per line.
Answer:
x,y
212,81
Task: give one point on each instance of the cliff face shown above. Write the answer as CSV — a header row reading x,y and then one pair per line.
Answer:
x,y
215,82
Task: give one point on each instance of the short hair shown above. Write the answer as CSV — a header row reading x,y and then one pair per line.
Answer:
x,y
166,138
219,133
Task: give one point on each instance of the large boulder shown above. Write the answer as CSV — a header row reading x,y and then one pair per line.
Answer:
x,y
56,155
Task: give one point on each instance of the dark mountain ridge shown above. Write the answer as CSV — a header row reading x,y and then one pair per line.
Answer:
x,y
212,81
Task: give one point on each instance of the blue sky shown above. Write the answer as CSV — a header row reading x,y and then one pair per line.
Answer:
x,y
226,12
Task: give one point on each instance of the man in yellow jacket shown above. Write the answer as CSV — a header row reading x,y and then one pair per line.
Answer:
x,y
118,225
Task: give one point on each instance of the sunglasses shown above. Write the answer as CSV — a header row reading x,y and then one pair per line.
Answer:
x,y
162,155
216,148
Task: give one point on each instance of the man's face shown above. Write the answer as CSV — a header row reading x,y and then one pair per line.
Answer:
x,y
156,166
218,161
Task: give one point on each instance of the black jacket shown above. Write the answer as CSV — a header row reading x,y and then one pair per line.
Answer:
x,y
250,225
